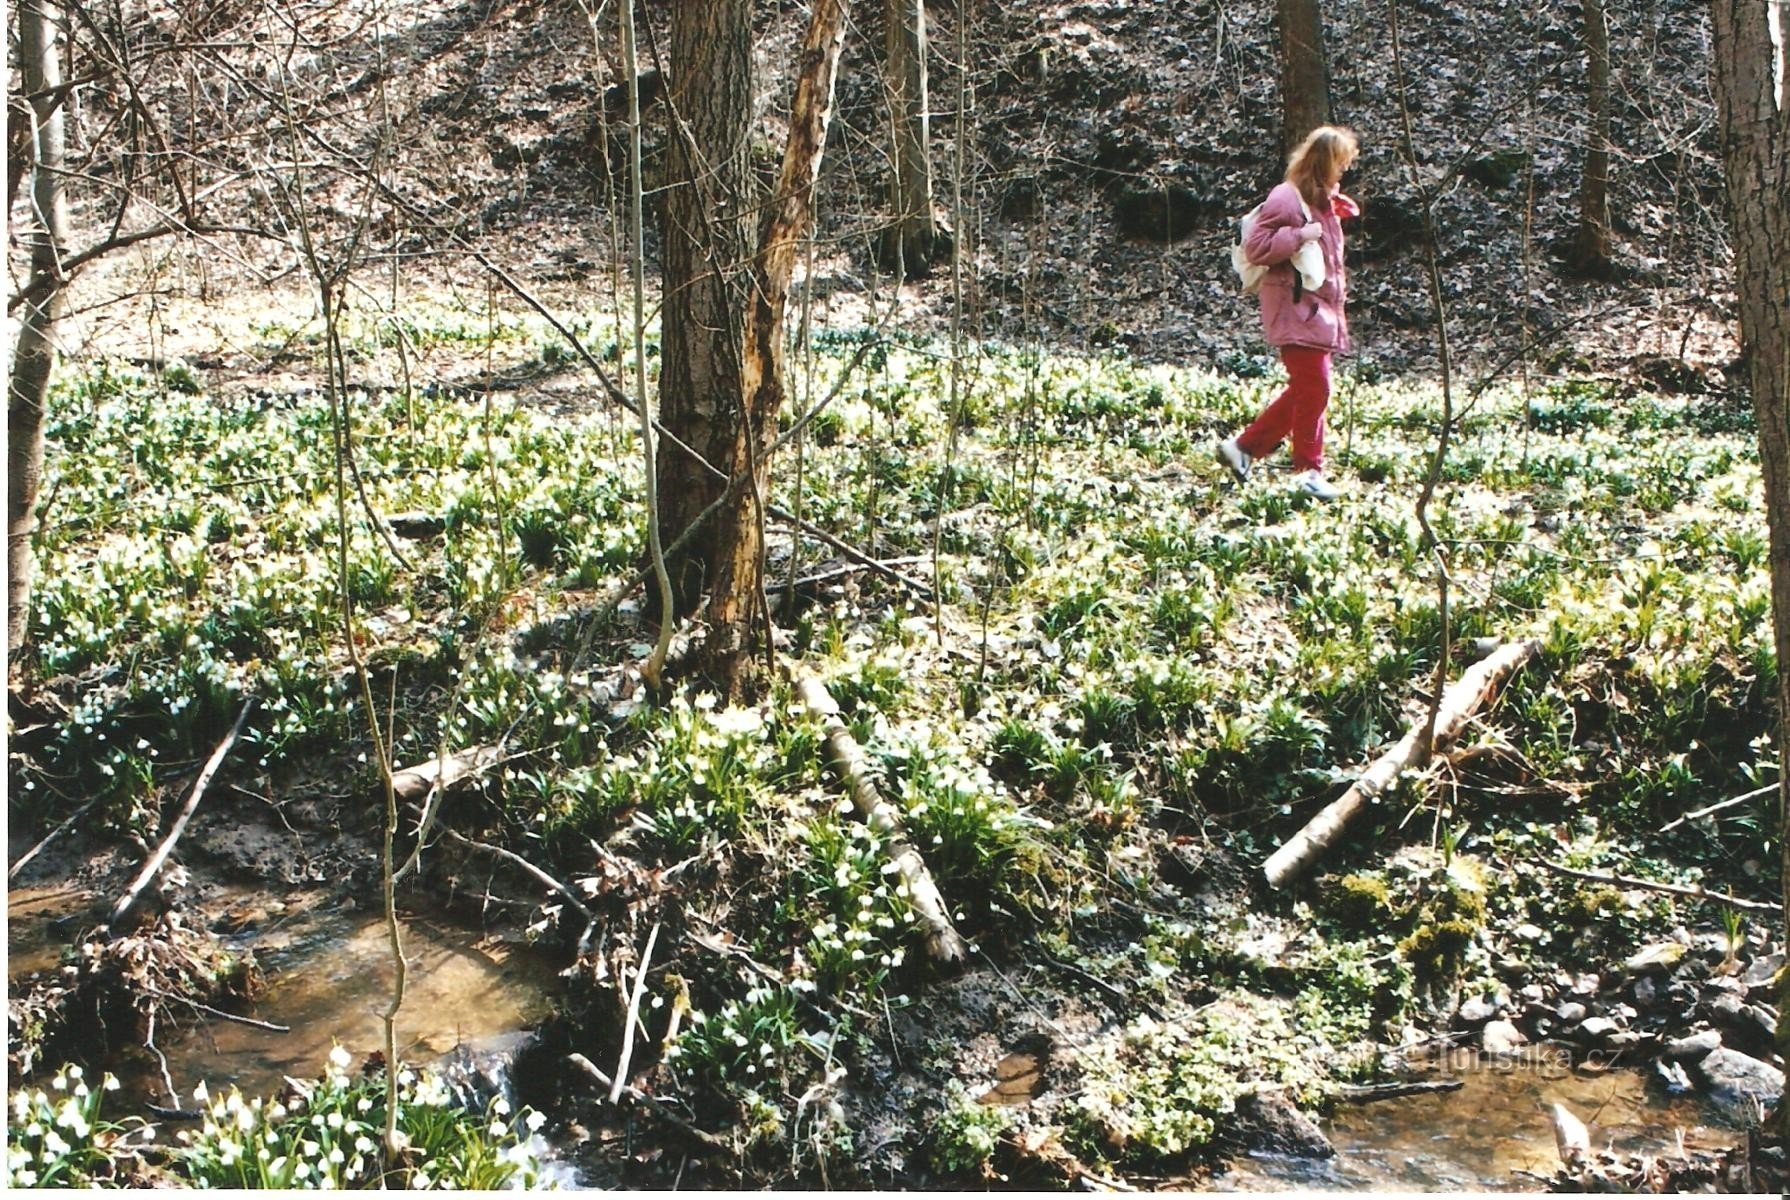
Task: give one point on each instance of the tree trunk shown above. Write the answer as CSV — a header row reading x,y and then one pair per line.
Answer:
x,y
911,242
736,593
1591,247
34,353
705,236
1750,69
1304,69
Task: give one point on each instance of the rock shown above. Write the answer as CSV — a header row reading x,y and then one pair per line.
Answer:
x,y
1672,1074
1598,1029
1529,933
1694,1047
1740,1083
1570,1013
1661,956
1501,1037
1646,991
1759,973
417,525
1267,1121
1477,1010
1586,985
1534,993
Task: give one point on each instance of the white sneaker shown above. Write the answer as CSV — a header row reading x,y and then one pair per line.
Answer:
x,y
1235,457
1313,484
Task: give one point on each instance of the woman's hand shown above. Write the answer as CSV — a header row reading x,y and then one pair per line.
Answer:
x,y
1311,231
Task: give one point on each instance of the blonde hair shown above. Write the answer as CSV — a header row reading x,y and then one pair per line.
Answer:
x,y
1320,160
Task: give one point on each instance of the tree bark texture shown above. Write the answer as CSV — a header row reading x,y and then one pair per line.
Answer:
x,y
1591,246
1750,80
705,234
736,592
34,353
1304,69
911,240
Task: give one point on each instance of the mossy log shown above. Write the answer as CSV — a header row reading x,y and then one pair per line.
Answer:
x,y
1475,689
942,940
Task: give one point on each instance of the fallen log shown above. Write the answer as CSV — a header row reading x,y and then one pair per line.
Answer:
x,y
153,867
1475,688
942,940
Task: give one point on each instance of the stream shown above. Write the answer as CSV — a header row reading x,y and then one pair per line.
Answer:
x,y
1480,1137
329,975
329,978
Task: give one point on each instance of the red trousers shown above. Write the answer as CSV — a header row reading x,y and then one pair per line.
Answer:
x,y
1298,410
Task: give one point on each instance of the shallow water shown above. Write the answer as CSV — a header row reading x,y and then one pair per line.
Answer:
x,y
329,981
1486,1135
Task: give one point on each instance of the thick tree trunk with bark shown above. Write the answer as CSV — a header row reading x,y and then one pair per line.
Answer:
x,y
705,234
1591,245
911,243
34,353
1750,83
1304,69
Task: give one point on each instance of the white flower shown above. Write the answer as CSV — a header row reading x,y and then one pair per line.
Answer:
x,y
200,1094
54,1144
339,1057
501,1107
535,1120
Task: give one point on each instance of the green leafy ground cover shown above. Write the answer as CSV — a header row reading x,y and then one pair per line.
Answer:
x,y
1139,682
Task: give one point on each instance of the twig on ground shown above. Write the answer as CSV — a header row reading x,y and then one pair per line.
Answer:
x,y
252,1022
510,856
1670,889
12,871
153,867
1755,794
665,1111
633,1021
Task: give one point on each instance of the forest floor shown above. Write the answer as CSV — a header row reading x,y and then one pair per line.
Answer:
x,y
1105,685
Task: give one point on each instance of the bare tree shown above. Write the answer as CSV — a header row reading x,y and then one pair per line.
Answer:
x,y
1591,245
912,241
1304,69
34,353
722,384
1750,82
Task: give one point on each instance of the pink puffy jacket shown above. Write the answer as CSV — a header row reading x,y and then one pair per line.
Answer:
x,y
1317,318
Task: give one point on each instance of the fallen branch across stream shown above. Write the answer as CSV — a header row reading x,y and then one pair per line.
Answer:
x,y
942,940
1368,1093
1694,892
153,867
1475,688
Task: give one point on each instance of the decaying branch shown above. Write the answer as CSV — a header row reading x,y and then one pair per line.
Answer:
x,y
152,868
1651,885
942,940
1475,688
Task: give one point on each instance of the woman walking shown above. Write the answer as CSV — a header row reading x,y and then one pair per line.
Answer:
x,y
1307,324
